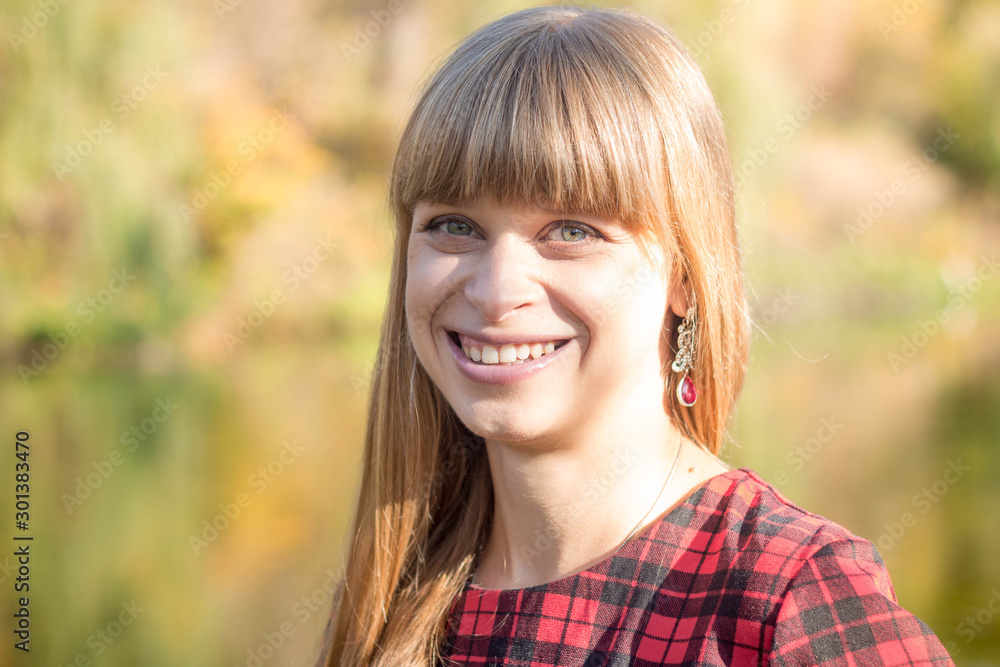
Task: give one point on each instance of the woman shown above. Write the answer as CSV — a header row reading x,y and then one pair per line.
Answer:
x,y
563,346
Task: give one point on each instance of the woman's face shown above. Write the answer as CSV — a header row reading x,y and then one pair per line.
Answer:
x,y
531,323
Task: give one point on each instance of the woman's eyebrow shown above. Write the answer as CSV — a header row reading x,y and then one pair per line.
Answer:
x,y
434,208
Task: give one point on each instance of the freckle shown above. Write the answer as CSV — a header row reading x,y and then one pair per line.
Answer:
x,y
691,469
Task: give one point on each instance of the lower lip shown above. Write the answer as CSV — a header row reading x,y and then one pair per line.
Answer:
x,y
500,373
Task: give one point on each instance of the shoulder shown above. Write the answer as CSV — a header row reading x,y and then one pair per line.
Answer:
x,y
739,529
828,590
787,547
748,514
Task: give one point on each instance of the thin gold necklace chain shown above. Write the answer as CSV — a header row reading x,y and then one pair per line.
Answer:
x,y
673,467
677,457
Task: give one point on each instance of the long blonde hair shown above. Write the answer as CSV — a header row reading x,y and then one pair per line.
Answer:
x,y
596,111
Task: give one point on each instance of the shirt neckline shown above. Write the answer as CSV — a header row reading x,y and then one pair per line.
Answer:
x,y
636,542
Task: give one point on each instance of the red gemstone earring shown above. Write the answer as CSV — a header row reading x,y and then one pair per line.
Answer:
x,y
684,359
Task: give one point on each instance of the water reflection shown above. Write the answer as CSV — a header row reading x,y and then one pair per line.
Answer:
x,y
199,518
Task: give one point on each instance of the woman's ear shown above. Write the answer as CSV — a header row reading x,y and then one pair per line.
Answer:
x,y
679,293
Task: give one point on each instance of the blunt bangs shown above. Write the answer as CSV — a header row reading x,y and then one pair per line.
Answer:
x,y
544,118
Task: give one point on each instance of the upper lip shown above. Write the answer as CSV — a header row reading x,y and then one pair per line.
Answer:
x,y
508,338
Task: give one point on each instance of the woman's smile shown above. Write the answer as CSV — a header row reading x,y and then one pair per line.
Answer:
x,y
499,352
501,364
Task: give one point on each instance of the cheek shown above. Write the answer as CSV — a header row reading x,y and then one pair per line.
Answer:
x,y
427,281
418,310
415,295
629,301
650,307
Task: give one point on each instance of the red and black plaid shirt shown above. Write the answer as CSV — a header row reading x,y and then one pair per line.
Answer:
x,y
736,575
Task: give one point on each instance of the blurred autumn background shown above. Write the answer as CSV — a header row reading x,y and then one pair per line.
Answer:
x,y
194,248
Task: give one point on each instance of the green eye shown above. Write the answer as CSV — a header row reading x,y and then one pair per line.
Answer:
x,y
573,234
458,227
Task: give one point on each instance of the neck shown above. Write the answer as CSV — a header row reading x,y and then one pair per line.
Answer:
x,y
560,507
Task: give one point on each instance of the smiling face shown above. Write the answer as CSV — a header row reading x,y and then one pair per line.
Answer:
x,y
534,324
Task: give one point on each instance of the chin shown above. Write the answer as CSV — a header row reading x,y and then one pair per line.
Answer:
x,y
491,423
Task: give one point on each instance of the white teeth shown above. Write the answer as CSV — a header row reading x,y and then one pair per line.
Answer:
x,y
508,354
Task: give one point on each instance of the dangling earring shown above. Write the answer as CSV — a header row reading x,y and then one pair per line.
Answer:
x,y
684,359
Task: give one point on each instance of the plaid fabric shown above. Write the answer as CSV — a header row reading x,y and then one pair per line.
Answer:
x,y
736,575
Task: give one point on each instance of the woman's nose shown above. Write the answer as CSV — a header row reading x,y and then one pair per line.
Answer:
x,y
504,278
